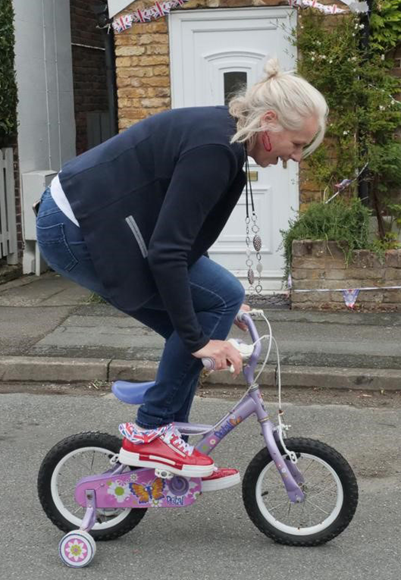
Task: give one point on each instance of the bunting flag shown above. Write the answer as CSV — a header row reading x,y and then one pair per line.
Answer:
x,y
318,5
344,184
350,297
158,10
356,6
333,9
122,23
161,9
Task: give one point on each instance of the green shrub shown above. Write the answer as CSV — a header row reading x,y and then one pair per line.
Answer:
x,y
8,87
361,93
385,25
346,222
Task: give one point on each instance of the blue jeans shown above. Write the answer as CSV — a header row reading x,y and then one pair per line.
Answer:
x,y
217,296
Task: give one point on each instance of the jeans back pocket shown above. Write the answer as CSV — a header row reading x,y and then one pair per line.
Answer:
x,y
54,247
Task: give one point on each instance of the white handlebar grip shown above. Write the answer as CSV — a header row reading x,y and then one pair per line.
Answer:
x,y
209,363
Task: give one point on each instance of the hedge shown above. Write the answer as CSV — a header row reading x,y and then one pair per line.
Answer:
x,y
8,86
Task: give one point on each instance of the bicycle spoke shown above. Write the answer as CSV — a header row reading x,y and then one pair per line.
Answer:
x,y
93,459
278,505
303,471
333,486
317,507
82,462
309,483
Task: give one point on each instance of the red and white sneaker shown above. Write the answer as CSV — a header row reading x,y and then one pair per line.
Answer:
x,y
162,448
221,478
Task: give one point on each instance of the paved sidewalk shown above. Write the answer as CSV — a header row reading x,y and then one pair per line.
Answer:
x,y
49,331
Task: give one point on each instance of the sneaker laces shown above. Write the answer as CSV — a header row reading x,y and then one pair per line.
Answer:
x,y
179,442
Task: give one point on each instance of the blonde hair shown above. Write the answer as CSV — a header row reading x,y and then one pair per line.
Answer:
x,y
290,96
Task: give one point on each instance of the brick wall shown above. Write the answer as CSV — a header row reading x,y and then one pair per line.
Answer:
x,y
143,61
321,265
89,69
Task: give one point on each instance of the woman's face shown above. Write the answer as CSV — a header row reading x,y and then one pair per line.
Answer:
x,y
270,146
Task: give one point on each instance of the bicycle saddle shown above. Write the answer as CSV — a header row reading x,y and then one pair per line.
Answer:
x,y
131,393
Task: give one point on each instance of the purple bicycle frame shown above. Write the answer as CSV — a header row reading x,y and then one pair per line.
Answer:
x,y
251,403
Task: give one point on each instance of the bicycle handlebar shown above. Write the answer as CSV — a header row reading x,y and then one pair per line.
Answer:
x,y
246,317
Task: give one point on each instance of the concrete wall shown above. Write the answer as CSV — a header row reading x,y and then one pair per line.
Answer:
x,y
43,63
45,89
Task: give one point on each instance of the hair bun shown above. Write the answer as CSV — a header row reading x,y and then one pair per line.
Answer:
x,y
271,68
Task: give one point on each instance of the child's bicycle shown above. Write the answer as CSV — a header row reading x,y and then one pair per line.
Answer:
x,y
297,491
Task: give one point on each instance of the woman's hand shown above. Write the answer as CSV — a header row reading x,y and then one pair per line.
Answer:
x,y
223,354
242,325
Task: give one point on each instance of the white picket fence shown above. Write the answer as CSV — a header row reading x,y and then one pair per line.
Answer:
x,y
8,226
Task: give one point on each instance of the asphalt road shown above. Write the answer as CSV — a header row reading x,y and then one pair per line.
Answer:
x,y
214,539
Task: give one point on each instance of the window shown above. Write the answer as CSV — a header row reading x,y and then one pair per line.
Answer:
x,y
233,82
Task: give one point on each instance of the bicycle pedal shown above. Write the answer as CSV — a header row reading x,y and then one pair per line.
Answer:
x,y
163,473
114,459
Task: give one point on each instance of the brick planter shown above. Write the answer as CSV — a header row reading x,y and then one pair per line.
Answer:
x,y
321,265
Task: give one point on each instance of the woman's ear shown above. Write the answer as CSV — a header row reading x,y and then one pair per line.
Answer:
x,y
267,119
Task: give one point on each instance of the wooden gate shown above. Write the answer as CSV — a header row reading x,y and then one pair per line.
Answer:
x,y
8,226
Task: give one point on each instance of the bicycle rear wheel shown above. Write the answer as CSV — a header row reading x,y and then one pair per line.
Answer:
x,y
330,488
65,464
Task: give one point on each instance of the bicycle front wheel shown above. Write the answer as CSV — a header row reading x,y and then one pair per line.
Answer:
x,y
330,488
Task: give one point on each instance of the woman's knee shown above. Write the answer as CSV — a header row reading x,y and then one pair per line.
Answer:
x,y
214,287
237,292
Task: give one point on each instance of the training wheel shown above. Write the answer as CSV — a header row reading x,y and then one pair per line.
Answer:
x,y
77,549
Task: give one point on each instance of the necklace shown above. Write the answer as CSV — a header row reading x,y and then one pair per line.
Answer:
x,y
252,228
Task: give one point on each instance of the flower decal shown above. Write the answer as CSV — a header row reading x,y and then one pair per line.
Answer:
x,y
76,550
118,490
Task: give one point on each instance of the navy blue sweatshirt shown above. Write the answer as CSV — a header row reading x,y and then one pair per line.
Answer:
x,y
151,201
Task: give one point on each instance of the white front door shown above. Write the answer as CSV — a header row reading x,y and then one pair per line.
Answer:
x,y
213,52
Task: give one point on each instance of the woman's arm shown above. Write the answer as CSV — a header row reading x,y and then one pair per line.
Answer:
x,y
200,178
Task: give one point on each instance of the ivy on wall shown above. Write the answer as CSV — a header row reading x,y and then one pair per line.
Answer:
x,y
361,93
385,25
8,87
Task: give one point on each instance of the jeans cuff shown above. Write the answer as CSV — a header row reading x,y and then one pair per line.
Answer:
x,y
155,424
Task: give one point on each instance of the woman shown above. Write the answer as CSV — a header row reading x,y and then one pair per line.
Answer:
x,y
133,218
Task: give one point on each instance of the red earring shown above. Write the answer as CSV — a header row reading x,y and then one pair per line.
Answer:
x,y
266,141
